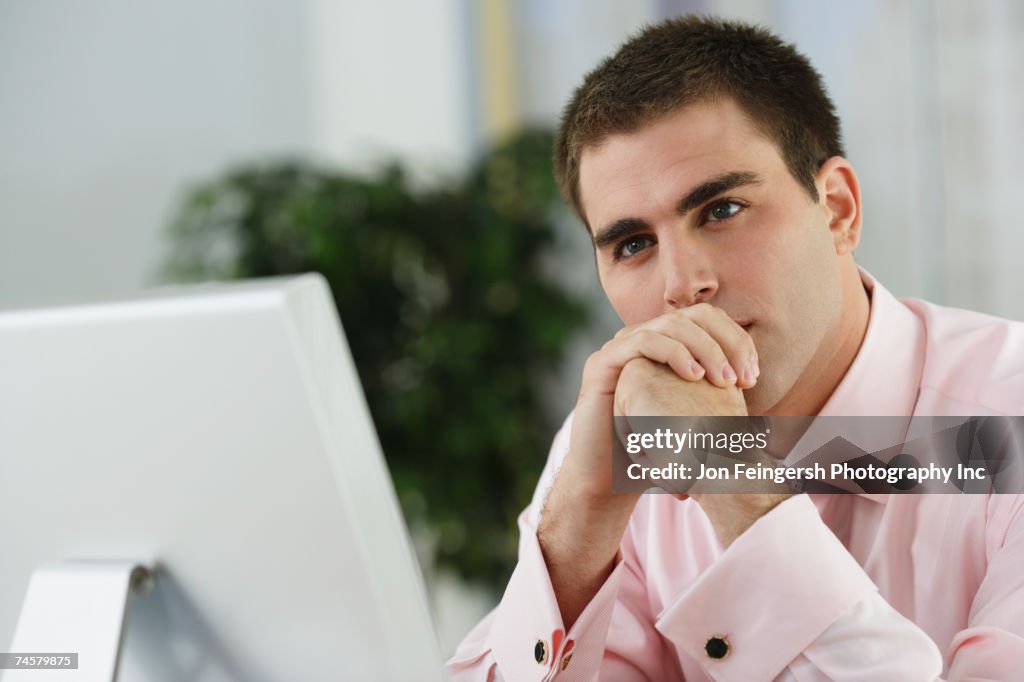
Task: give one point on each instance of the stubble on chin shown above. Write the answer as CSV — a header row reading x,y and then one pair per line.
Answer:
x,y
754,398
764,395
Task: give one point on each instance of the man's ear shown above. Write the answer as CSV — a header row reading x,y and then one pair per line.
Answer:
x,y
839,198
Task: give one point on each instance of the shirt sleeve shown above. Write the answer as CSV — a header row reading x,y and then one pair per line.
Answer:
x,y
991,647
524,638
811,613
782,586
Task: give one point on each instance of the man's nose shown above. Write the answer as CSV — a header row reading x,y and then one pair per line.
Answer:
x,y
688,277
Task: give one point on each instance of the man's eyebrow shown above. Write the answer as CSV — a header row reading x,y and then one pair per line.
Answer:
x,y
618,230
700,194
710,189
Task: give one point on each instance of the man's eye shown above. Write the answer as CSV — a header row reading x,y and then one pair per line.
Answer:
x,y
723,210
632,246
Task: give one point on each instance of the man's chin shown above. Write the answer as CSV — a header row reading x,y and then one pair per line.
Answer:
x,y
761,398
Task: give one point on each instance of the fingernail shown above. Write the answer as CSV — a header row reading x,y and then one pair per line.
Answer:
x,y
751,371
748,373
728,373
696,369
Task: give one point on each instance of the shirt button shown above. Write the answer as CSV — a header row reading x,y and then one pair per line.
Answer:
x,y
540,651
717,648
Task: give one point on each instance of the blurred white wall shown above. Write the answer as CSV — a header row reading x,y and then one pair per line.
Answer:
x,y
393,78
109,109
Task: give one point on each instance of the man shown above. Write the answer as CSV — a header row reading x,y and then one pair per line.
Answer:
x,y
705,159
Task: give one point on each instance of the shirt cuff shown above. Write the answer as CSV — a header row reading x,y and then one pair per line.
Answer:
x,y
779,585
528,639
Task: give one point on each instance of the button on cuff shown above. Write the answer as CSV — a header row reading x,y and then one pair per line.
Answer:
x,y
717,648
540,651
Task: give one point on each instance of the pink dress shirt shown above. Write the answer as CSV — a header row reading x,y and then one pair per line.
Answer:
x,y
836,587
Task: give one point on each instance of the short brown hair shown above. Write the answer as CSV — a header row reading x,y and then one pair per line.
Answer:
x,y
697,59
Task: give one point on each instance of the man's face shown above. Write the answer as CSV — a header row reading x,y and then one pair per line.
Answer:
x,y
700,207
